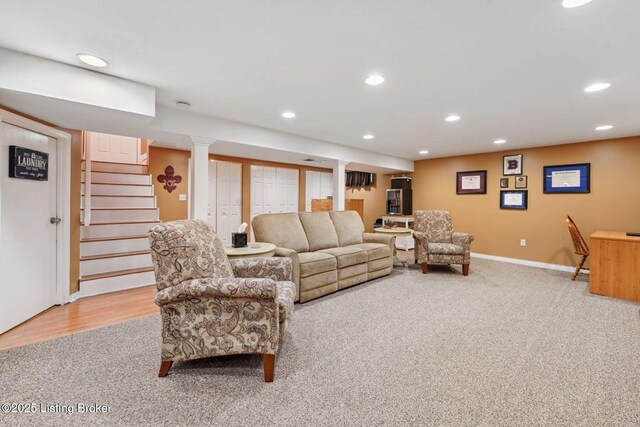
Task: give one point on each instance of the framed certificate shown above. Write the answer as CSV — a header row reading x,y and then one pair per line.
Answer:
x,y
471,182
567,178
513,199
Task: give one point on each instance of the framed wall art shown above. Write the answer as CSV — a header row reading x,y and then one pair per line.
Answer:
x,y
471,182
567,178
513,199
512,165
504,182
521,181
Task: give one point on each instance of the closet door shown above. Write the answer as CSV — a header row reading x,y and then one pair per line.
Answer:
x,y
292,190
212,214
257,190
270,198
229,200
326,185
312,188
282,196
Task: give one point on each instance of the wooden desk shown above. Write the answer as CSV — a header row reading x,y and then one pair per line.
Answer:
x,y
615,265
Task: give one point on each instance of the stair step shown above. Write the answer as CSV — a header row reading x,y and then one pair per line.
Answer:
x,y
98,189
106,201
93,265
101,215
118,167
118,178
110,245
109,230
116,281
114,255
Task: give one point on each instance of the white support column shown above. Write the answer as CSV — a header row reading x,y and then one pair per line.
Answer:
x,y
339,182
200,177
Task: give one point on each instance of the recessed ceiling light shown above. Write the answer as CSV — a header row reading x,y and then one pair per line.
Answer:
x,y
452,118
604,127
374,80
367,136
574,3
92,60
423,152
597,87
288,114
499,141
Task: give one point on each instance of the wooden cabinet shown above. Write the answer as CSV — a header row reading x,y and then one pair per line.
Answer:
x,y
615,265
319,205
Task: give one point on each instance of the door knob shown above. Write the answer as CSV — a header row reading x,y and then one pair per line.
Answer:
x,y
54,220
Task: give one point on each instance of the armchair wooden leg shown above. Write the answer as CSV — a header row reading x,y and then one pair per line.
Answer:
x,y
465,269
269,362
424,268
164,368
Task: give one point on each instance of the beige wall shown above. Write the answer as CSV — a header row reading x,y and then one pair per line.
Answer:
x,y
613,204
171,207
374,199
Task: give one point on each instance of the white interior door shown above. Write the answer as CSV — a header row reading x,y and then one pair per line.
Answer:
x,y
292,191
229,200
312,188
27,236
257,193
271,198
326,185
113,148
212,212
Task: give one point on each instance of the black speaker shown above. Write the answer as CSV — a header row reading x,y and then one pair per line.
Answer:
x,y
239,240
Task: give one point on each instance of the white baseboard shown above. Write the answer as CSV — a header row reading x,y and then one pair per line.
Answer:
x,y
528,263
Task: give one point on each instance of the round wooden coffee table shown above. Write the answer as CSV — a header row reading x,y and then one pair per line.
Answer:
x,y
396,232
255,249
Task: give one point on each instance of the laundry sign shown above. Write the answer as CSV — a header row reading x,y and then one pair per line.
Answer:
x,y
28,164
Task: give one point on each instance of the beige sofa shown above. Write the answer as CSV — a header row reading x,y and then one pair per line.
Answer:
x,y
330,250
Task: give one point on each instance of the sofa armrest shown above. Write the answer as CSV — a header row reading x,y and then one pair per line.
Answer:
x,y
380,238
227,287
420,236
462,239
278,269
295,267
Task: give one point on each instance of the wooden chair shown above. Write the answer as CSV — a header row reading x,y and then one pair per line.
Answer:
x,y
579,245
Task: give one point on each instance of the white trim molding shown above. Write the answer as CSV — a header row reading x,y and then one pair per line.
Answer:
x,y
548,266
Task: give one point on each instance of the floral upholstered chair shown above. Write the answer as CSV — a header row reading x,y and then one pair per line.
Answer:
x,y
212,307
437,243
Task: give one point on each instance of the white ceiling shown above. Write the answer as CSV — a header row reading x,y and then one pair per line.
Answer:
x,y
512,69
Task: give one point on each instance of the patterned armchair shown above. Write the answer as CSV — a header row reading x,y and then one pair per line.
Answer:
x,y
212,307
437,243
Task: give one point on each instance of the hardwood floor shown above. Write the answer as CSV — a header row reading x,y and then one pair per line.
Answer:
x,y
82,315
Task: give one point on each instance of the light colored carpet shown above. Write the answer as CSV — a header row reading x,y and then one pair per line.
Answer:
x,y
508,345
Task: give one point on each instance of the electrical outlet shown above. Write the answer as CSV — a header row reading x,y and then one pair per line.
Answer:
x,y
183,197
523,242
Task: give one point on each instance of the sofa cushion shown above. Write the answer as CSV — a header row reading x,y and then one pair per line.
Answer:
x,y
445,249
315,263
282,229
350,255
375,250
349,227
321,234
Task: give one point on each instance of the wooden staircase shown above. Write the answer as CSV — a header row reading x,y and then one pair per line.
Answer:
x,y
114,248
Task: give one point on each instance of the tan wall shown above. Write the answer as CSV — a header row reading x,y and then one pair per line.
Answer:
x,y
374,199
171,207
613,204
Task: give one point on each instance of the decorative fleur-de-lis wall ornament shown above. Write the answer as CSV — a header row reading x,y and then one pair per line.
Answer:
x,y
169,179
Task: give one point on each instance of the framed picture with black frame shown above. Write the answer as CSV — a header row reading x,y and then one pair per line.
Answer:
x,y
566,179
471,182
514,199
